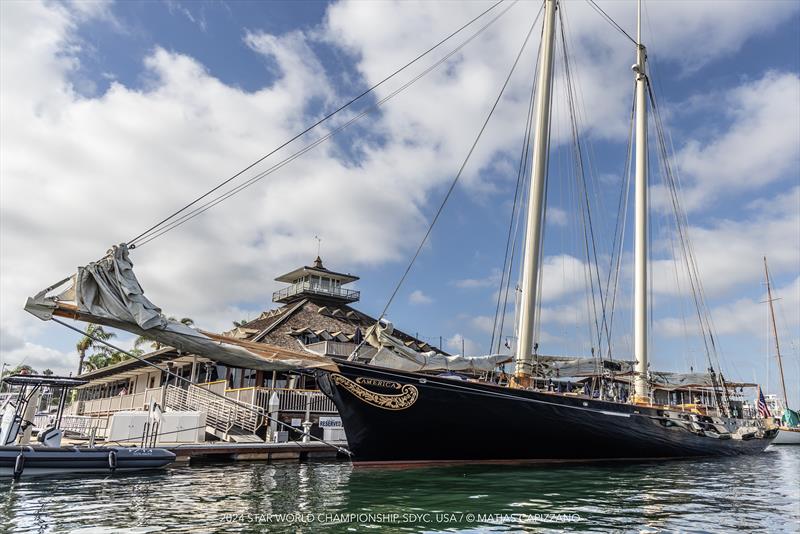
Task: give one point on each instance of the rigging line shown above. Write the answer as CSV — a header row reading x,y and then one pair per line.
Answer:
x,y
615,264
325,118
703,313
461,170
577,154
231,192
255,409
525,181
610,20
506,255
521,172
580,174
525,185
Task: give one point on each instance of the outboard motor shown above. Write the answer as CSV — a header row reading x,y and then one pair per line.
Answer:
x,y
51,437
9,425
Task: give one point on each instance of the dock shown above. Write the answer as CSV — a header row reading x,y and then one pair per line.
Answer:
x,y
224,451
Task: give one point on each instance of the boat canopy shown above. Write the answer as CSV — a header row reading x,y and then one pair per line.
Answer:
x,y
107,292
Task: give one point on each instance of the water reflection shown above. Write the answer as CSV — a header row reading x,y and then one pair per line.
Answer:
x,y
754,493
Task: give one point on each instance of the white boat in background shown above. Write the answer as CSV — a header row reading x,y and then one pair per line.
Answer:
x,y
789,421
787,436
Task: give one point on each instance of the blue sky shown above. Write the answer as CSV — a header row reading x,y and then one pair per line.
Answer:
x,y
119,112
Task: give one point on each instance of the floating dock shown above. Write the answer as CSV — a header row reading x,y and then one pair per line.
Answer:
x,y
292,451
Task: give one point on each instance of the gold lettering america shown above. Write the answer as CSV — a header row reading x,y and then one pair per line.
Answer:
x,y
406,398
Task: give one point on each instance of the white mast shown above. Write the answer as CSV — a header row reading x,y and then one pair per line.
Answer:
x,y
533,231
640,244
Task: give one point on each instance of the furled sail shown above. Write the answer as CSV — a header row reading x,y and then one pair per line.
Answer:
x,y
394,354
107,292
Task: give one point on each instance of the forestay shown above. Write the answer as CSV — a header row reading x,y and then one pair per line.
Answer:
x,y
107,292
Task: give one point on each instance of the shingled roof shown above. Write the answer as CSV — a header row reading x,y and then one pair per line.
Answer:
x,y
282,326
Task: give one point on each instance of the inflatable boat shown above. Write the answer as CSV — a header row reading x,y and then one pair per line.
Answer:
x,y
19,457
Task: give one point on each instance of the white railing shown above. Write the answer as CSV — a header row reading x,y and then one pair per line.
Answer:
x,y
134,401
80,424
86,426
241,410
221,414
218,386
294,400
350,295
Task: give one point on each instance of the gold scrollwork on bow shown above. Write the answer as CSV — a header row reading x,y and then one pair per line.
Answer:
x,y
407,396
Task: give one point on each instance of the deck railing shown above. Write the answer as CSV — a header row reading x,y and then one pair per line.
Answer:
x,y
291,400
349,295
133,401
221,415
80,424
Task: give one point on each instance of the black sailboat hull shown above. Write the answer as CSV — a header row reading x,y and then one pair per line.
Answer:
x,y
396,416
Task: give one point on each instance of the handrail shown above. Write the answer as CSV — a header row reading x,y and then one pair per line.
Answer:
x,y
210,383
296,289
220,415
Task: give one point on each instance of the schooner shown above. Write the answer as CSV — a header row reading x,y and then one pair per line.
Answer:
x,y
399,407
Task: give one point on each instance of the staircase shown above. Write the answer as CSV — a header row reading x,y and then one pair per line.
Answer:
x,y
225,419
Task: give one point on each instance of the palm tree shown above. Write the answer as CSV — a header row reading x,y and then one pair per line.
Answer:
x,y
142,340
96,361
86,343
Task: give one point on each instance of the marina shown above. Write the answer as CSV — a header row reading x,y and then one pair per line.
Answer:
x,y
534,303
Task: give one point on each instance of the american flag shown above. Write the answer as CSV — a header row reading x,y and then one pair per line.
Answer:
x,y
763,410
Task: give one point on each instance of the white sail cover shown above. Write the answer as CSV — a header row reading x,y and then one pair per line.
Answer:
x,y
107,292
394,354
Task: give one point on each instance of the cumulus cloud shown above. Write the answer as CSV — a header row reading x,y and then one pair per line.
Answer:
x,y
458,344
729,251
80,173
758,146
748,316
419,297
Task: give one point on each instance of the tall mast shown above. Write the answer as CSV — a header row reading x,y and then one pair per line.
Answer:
x,y
640,245
534,227
775,332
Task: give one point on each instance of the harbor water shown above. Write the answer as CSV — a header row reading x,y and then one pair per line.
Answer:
x,y
757,493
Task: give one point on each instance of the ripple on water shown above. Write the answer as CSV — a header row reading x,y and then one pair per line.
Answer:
x,y
752,494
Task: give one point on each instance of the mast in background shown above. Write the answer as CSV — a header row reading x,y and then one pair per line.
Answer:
x,y
641,388
775,332
535,218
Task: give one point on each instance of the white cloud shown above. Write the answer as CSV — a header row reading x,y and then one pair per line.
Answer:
x,y
482,323
557,216
492,280
747,316
41,358
418,297
758,147
456,342
729,252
